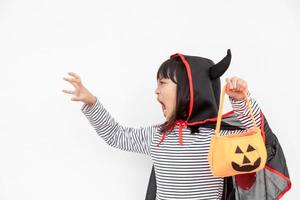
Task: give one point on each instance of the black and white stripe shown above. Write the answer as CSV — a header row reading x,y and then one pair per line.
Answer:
x,y
182,171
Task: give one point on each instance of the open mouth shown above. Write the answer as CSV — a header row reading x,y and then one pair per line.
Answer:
x,y
162,105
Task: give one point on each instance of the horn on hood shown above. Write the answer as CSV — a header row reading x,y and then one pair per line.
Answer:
x,y
218,69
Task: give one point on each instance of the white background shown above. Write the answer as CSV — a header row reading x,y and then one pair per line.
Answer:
x,y
48,149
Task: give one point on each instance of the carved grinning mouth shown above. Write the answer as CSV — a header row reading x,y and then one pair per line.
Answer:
x,y
246,168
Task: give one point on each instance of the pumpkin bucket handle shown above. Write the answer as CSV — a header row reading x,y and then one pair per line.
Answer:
x,y
221,108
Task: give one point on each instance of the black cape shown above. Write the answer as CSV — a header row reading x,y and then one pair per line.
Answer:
x,y
273,181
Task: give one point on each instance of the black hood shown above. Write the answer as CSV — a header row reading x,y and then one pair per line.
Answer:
x,y
204,83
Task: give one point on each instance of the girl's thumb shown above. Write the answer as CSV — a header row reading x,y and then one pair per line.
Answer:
x,y
75,99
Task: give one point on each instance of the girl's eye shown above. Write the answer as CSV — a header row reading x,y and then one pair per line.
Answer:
x,y
161,82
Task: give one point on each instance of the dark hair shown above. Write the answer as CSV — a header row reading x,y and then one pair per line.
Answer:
x,y
173,68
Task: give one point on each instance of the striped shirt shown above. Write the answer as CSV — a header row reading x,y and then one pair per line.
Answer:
x,y
182,171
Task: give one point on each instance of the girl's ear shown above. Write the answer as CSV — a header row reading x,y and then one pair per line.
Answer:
x,y
219,69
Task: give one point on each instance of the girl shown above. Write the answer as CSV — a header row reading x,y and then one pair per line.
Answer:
x,y
188,89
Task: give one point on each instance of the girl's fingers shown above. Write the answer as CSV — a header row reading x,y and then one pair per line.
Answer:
x,y
74,83
238,84
75,98
235,82
244,86
72,80
74,75
229,82
69,91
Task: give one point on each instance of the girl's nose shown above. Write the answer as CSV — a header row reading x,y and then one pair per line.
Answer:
x,y
156,91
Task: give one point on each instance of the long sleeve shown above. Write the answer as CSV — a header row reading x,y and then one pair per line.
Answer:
x,y
242,112
125,138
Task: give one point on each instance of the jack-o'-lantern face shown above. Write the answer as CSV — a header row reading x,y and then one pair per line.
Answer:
x,y
246,159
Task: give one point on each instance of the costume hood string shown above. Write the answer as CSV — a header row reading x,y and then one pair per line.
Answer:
x,y
182,124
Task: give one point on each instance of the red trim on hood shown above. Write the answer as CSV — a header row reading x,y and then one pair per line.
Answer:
x,y
189,74
183,124
190,79
211,119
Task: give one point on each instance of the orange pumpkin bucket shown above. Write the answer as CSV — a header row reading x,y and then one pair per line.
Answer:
x,y
236,153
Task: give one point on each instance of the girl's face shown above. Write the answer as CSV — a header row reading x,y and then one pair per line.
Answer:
x,y
166,95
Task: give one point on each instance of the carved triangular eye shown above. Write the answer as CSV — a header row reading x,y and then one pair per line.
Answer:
x,y
250,148
238,150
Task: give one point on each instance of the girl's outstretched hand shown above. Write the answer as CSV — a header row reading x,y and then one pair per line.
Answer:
x,y
80,93
236,87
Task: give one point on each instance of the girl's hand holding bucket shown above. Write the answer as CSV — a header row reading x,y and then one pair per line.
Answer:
x,y
236,87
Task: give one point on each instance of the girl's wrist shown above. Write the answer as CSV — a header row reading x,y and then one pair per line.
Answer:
x,y
92,101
